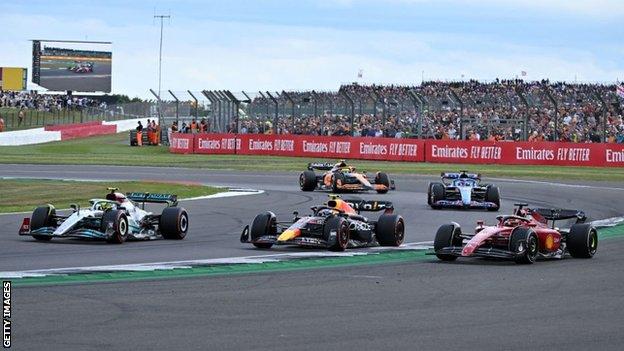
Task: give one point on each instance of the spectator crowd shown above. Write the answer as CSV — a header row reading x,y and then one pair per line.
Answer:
x,y
469,110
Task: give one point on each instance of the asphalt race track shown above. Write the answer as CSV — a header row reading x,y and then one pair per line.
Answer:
x,y
472,304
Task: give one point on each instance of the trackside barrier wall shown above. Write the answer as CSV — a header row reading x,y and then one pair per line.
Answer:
x,y
81,130
411,150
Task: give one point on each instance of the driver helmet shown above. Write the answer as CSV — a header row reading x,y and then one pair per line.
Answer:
x,y
325,212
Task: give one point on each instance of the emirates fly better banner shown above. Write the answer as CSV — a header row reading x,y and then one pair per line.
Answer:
x,y
412,150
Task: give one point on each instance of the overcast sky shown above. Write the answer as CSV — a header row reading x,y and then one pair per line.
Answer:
x,y
275,45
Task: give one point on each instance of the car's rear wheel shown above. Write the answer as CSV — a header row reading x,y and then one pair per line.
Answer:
x,y
42,217
447,235
523,241
341,227
390,230
383,179
173,223
118,222
307,180
262,225
493,195
582,241
435,193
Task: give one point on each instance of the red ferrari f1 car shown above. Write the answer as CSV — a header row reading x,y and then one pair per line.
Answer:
x,y
523,236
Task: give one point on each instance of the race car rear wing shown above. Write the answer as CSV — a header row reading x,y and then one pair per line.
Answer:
x,y
454,175
169,199
557,214
370,205
321,166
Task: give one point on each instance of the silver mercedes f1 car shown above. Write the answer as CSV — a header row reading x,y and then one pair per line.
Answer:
x,y
116,218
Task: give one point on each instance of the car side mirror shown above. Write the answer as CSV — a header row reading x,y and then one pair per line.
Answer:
x,y
75,207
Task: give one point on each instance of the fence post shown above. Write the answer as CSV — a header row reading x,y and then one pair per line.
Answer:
x,y
177,102
526,112
352,104
213,106
418,106
292,109
461,113
276,112
554,102
196,106
604,114
237,107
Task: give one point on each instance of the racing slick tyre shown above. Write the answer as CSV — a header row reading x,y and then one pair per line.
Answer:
x,y
390,230
447,235
524,239
341,227
307,181
436,193
119,223
263,224
173,223
493,195
337,180
42,216
383,179
582,241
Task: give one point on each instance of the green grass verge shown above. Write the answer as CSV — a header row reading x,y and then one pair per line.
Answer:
x,y
114,150
26,194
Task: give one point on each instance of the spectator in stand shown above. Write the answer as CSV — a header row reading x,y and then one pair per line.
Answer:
x,y
1,124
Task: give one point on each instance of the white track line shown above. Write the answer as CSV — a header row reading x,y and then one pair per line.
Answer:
x,y
212,261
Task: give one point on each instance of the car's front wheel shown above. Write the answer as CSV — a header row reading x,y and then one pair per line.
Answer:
x,y
42,217
447,235
117,221
340,228
523,242
262,225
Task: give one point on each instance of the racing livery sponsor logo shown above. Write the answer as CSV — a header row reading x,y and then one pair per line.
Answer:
x,y
549,242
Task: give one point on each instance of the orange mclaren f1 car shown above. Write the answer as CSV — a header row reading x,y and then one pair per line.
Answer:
x,y
341,177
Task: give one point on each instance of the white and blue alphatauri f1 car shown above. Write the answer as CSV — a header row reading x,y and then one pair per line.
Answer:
x,y
116,218
463,190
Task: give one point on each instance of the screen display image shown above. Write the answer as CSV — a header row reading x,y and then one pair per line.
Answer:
x,y
76,66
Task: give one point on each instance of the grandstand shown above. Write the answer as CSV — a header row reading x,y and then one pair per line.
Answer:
x,y
463,110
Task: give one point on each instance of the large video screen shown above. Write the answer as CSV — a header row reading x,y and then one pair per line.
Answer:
x,y
72,65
